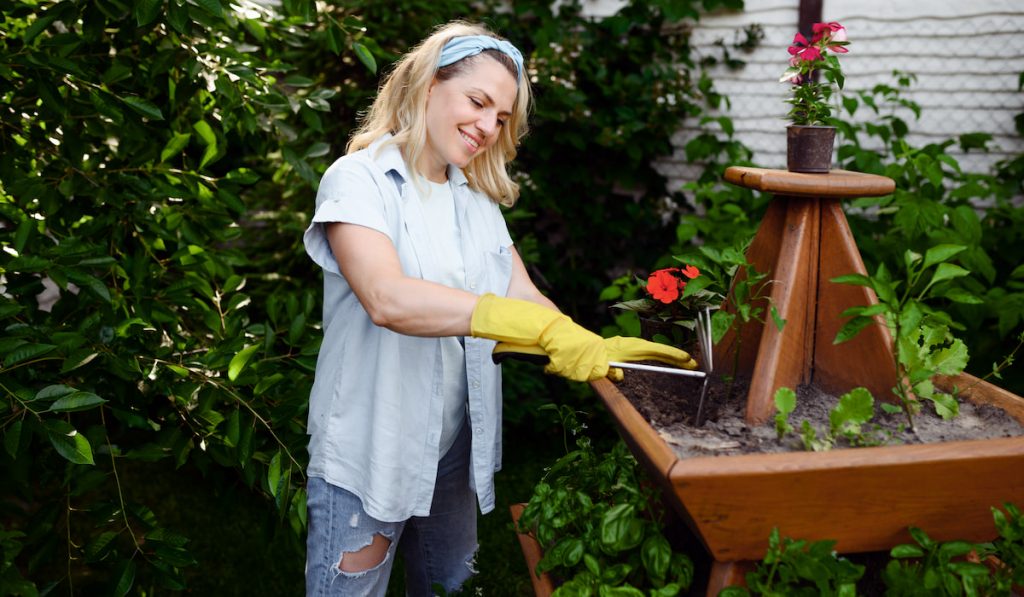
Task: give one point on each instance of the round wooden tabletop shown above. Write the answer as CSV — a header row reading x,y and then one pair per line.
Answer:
x,y
838,184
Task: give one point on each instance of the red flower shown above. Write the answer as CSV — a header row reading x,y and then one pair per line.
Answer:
x,y
664,286
690,271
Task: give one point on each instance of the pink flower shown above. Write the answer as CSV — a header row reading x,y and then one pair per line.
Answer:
x,y
810,54
831,36
799,43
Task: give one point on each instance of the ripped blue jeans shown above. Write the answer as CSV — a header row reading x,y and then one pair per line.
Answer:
x,y
439,548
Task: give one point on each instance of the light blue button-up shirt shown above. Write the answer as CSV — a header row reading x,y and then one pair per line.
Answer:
x,y
375,411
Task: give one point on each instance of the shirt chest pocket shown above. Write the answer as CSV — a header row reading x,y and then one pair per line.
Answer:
x,y
497,272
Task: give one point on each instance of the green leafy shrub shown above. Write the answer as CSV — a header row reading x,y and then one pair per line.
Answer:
x,y
937,203
796,567
598,522
141,141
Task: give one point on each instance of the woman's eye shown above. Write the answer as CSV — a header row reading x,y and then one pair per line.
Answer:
x,y
501,122
476,102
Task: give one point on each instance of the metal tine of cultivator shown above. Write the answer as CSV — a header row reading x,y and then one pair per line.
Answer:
x,y
706,357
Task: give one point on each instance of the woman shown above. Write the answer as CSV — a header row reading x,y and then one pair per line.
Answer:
x,y
420,279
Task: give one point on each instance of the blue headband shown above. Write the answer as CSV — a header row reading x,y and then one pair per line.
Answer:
x,y
458,48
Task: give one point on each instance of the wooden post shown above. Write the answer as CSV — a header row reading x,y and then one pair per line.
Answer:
x,y
803,242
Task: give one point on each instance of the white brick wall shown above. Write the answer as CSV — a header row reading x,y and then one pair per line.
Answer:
x,y
967,57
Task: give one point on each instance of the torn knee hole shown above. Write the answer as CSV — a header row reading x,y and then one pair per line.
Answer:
x,y
367,558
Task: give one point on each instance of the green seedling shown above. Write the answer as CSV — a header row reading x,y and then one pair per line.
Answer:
x,y
923,344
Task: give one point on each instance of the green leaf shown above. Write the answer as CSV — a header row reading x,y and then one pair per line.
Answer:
x,y
106,108
962,296
906,551
28,264
175,145
365,57
143,107
256,28
76,401
177,16
68,442
866,311
851,328
77,359
38,26
124,576
656,554
940,253
721,321
206,134
620,528
855,408
335,38
12,439
54,392
948,271
274,473
26,352
266,382
147,10
785,400
779,321
239,361
854,279
212,6
97,548
296,329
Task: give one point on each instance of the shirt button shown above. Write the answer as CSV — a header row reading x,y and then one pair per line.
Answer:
x,y
479,431
472,286
476,385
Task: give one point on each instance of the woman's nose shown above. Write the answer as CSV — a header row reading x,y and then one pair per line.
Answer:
x,y
487,123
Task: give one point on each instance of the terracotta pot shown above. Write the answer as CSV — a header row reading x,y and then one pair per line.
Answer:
x,y
543,586
809,148
863,498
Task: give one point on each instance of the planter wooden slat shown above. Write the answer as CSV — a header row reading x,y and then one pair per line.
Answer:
x,y
542,585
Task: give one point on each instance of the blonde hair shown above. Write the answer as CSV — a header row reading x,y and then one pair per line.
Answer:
x,y
400,109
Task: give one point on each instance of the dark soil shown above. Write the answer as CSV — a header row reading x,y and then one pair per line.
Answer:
x,y
670,404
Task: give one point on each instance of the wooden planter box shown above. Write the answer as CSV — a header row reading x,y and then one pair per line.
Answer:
x,y
863,498
542,585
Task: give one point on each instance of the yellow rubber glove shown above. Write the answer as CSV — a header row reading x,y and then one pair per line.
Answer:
x,y
619,349
575,352
635,349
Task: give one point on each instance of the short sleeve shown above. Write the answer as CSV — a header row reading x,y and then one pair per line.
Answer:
x,y
348,193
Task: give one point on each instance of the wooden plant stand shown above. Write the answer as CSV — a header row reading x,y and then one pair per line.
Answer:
x,y
863,498
802,243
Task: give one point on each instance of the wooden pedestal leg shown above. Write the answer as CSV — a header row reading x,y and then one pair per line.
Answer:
x,y
727,574
784,356
868,359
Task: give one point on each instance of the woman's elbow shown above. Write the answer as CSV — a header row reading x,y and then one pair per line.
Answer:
x,y
379,313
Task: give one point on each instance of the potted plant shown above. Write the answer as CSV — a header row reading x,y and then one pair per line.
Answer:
x,y
809,139
670,299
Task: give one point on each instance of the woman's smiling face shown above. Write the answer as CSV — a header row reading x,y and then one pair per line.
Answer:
x,y
465,115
